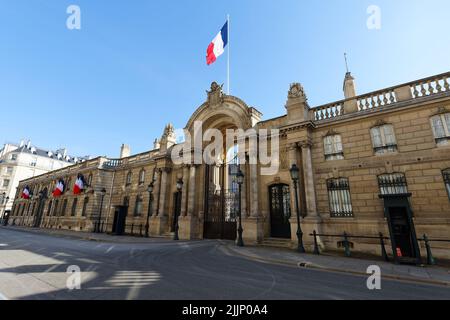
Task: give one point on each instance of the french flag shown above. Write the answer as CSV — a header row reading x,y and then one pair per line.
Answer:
x,y
79,185
59,190
26,193
217,47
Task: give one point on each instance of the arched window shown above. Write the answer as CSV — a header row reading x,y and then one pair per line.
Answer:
x,y
383,139
141,177
333,149
339,198
394,183
446,175
138,206
129,177
85,204
441,128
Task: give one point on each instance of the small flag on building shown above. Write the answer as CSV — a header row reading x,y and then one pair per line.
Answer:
x,y
217,47
59,190
26,193
79,185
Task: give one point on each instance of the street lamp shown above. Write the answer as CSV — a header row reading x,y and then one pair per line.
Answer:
x,y
103,193
240,181
150,199
295,178
177,211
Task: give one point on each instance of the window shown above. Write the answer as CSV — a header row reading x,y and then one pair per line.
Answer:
x,y
129,176
333,147
85,204
55,210
441,128
392,184
6,183
14,157
64,208
9,170
141,177
138,206
446,174
73,211
89,182
383,139
23,209
33,162
339,198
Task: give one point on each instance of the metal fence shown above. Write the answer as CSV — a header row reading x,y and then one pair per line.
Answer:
x,y
347,245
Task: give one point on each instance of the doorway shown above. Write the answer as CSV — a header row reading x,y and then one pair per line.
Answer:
x,y
120,216
401,232
280,211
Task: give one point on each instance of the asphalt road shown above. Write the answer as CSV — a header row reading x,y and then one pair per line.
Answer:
x,y
34,266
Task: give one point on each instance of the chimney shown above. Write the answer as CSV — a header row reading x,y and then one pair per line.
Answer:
x,y
125,151
349,86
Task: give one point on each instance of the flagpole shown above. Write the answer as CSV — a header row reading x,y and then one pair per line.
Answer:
x,y
228,63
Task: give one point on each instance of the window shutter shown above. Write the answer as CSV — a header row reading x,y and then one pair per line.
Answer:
x,y
447,121
328,145
438,127
389,135
338,143
376,137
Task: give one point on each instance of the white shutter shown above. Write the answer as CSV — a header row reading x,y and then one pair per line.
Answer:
x,y
389,135
438,127
338,143
328,145
447,122
376,137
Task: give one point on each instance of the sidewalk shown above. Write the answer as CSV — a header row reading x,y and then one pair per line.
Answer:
x,y
427,274
89,236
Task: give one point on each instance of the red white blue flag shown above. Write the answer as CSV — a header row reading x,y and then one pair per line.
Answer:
x,y
79,185
217,47
26,193
59,190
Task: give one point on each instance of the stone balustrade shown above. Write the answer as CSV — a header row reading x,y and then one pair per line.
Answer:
x,y
422,88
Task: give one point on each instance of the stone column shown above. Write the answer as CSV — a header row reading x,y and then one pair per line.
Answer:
x,y
310,193
155,203
244,192
254,207
191,197
184,191
292,158
163,193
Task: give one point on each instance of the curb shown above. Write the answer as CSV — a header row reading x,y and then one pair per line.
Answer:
x,y
78,237
322,268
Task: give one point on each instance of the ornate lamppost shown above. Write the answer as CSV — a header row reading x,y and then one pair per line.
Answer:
x,y
240,181
149,211
295,178
103,193
177,211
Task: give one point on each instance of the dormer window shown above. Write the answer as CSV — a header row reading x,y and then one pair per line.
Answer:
x,y
383,139
333,147
441,128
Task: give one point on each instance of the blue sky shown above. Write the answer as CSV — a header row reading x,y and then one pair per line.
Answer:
x,y
136,65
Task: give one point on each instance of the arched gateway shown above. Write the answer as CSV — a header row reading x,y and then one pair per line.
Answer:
x,y
219,184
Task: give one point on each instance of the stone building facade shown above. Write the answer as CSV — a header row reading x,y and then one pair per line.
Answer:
x,y
378,162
